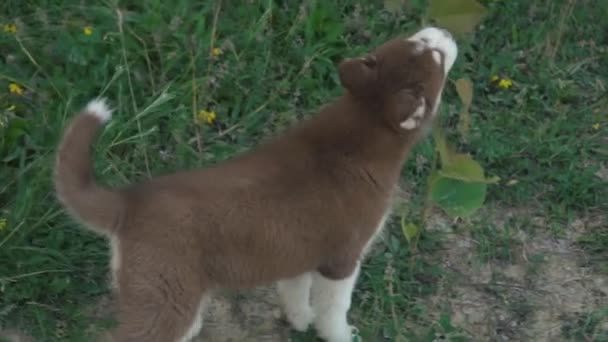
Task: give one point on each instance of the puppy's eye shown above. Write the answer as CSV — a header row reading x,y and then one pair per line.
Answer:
x,y
369,61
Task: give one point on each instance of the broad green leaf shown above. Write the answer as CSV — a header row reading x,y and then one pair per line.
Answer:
x,y
463,167
457,16
457,198
410,230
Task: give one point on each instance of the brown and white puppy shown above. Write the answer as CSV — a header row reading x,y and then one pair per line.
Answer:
x,y
299,210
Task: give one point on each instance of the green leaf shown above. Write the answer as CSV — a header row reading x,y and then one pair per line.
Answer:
x,y
463,167
410,230
456,197
457,16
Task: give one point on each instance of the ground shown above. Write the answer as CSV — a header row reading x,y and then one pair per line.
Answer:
x,y
195,82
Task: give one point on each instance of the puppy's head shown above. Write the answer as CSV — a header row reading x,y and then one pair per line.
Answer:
x,y
403,79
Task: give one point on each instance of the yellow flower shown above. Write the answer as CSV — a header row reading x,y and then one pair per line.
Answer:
x,y
87,30
505,83
494,78
206,116
216,52
596,126
10,28
2,224
14,88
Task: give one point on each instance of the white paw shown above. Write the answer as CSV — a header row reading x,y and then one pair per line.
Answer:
x,y
301,319
339,333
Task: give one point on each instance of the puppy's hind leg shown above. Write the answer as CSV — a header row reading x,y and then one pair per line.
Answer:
x,y
331,300
147,314
294,294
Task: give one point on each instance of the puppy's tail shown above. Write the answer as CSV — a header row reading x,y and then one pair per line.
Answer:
x,y
96,206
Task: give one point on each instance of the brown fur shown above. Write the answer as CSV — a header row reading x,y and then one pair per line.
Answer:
x,y
310,199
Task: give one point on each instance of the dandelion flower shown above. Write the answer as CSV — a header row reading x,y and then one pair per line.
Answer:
x,y
10,28
596,126
505,83
216,52
2,224
87,30
14,88
206,116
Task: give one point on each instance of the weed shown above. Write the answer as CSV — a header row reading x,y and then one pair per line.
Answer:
x,y
588,326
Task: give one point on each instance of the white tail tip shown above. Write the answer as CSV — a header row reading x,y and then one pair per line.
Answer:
x,y
99,108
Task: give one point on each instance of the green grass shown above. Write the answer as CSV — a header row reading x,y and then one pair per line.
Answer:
x,y
586,326
154,62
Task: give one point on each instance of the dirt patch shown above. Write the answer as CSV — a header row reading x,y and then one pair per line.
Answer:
x,y
530,297
252,315
246,316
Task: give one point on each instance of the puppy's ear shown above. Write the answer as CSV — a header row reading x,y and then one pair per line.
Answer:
x,y
358,75
408,112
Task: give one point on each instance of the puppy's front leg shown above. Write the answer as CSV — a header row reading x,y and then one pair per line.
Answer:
x,y
331,300
295,298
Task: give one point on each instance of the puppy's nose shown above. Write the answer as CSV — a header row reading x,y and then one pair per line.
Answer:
x,y
440,39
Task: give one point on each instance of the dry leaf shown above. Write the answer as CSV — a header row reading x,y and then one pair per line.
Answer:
x,y
457,16
464,88
396,6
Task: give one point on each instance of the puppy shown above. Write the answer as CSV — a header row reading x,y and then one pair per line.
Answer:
x,y
299,210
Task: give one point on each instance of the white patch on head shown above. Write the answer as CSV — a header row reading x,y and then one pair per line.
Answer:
x,y
419,112
440,39
419,47
410,123
414,121
436,56
294,295
99,108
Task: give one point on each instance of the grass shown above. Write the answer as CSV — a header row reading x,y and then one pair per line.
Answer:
x,y
586,326
545,137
